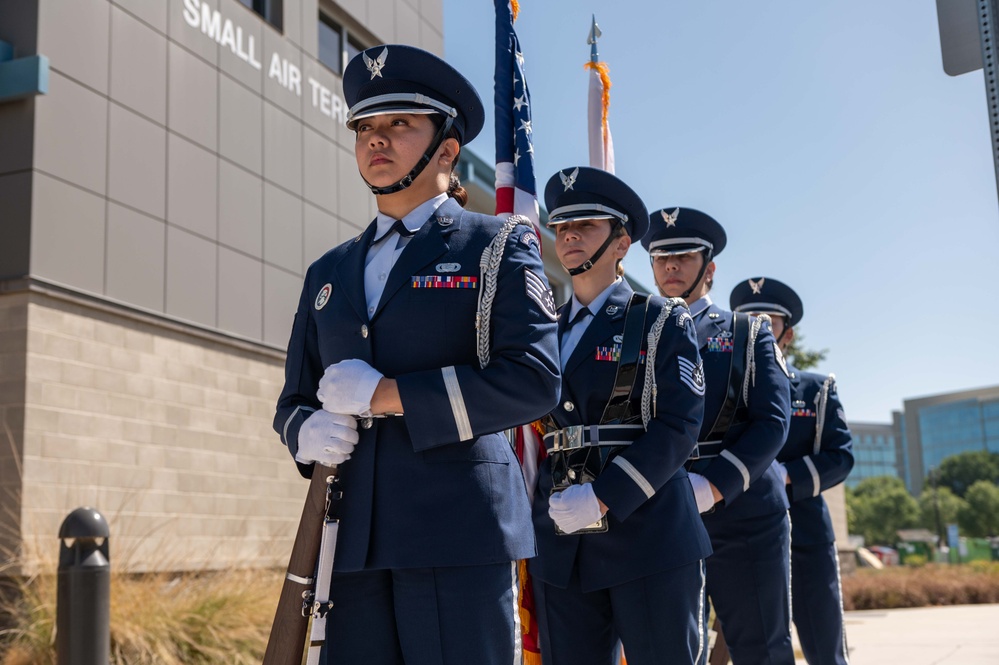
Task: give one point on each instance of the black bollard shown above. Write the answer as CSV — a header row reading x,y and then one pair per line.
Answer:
x,y
83,609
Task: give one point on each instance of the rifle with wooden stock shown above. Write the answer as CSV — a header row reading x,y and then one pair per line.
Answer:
x,y
305,594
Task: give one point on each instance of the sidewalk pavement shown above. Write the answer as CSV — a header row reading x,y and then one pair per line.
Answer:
x,y
952,635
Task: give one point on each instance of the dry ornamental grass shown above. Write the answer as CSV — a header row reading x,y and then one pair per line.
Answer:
x,y
162,619
934,584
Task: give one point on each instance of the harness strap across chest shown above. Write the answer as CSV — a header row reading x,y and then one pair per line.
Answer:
x,y
618,409
736,372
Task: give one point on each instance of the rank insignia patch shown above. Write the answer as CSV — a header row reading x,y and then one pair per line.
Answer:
x,y
530,240
721,344
324,296
613,354
445,282
539,292
692,375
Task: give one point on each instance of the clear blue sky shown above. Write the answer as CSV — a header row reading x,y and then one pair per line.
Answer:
x,y
825,137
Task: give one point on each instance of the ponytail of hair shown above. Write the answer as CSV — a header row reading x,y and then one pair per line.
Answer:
x,y
456,191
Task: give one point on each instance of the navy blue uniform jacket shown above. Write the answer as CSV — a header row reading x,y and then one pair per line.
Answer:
x,y
440,486
652,516
743,474
813,468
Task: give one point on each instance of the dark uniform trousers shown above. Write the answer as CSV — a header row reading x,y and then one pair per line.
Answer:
x,y
748,576
816,461
434,503
641,580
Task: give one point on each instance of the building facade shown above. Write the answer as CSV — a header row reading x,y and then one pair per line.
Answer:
x,y
939,426
175,170
875,452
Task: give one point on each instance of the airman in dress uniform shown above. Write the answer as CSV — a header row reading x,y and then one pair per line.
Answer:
x,y
621,546
738,488
817,455
401,322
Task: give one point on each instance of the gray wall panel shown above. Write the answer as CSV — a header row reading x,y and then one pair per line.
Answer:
x,y
282,149
191,277
241,286
136,250
138,66
354,204
192,187
310,30
432,10
320,174
194,96
320,233
380,21
283,82
293,22
241,69
152,12
281,291
74,36
283,229
67,234
326,113
240,209
193,38
71,125
432,39
137,162
407,24
241,125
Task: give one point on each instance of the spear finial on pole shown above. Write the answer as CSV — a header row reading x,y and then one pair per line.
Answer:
x,y
592,40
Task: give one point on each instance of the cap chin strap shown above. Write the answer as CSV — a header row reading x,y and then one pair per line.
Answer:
x,y
707,259
420,165
588,263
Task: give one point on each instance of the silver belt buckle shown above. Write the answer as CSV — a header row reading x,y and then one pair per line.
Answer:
x,y
568,438
572,437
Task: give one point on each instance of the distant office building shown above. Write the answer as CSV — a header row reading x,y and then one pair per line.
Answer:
x,y
168,170
875,452
939,426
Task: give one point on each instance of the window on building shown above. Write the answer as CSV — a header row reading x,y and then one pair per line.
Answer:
x,y
336,44
270,10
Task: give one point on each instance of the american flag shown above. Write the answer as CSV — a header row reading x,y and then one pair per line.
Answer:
x,y
516,194
516,190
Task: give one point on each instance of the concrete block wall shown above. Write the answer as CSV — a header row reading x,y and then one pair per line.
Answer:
x,y
13,345
167,433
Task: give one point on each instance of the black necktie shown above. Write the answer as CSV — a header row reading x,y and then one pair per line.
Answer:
x,y
580,315
397,227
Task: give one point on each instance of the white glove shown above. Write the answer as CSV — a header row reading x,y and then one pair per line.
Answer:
x,y
347,387
327,438
702,492
574,508
782,472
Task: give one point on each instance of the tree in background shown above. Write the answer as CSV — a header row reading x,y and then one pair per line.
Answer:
x,y
948,504
980,516
960,472
880,506
801,357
